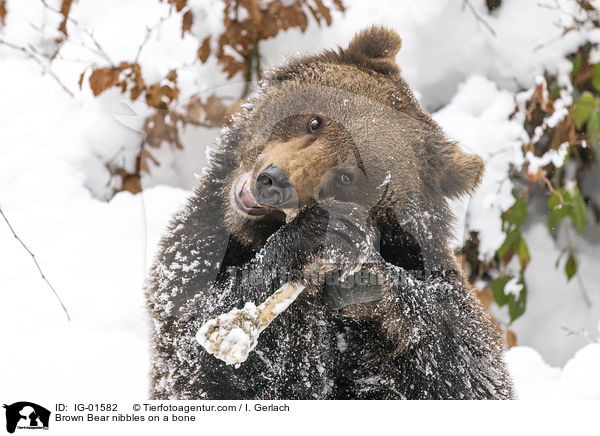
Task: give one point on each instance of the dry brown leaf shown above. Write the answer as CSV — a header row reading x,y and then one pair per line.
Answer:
x,y
155,129
315,13
231,66
145,158
214,111
511,338
324,11
139,86
3,11
194,109
302,19
186,22
179,4
162,126
65,8
586,5
254,12
172,76
538,99
340,5
204,50
80,81
103,78
564,132
132,183
160,96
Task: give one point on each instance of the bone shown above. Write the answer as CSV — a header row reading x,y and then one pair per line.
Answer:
x,y
231,336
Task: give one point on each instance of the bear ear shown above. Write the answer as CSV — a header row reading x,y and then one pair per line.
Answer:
x,y
461,174
375,42
377,46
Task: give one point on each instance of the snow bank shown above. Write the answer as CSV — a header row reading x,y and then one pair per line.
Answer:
x,y
536,380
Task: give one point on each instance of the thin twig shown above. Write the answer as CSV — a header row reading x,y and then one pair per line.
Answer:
x,y
582,332
36,263
478,17
141,47
578,23
32,56
98,48
551,188
149,31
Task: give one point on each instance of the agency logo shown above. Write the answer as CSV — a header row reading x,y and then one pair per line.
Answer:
x,y
26,415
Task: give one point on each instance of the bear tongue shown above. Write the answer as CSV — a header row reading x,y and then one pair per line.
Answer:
x,y
246,197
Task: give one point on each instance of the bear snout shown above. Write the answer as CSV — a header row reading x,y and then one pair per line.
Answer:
x,y
272,187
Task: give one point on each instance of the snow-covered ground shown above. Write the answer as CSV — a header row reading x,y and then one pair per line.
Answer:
x,y
534,379
54,183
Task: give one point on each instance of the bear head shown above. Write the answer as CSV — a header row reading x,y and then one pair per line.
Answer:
x,y
344,124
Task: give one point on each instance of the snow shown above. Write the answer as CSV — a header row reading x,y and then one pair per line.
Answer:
x,y
478,118
233,335
557,157
513,287
557,318
55,187
536,380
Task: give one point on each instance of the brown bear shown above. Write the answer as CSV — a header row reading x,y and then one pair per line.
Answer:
x,y
335,177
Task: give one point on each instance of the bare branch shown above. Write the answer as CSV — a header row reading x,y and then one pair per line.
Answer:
x,y
582,332
149,31
36,264
478,17
97,47
45,66
551,188
592,15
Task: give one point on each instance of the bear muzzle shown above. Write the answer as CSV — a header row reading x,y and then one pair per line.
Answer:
x,y
272,187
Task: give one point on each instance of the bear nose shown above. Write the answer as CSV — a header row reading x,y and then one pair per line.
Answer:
x,y
272,187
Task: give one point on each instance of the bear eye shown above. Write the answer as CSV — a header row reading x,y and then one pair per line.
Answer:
x,y
344,178
314,124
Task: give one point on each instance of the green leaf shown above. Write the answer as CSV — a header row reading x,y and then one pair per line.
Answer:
x,y
596,77
578,211
593,128
565,194
559,206
508,247
560,256
556,216
571,266
516,305
523,252
498,290
576,65
553,200
517,214
583,108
